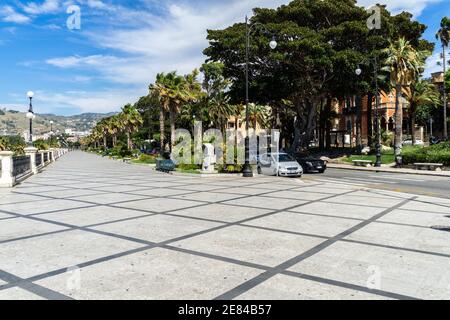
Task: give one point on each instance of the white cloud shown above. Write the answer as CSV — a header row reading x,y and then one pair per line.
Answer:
x,y
82,62
434,64
97,4
397,6
48,6
149,44
83,101
8,14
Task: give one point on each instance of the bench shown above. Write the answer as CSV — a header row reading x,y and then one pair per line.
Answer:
x,y
428,166
165,165
363,163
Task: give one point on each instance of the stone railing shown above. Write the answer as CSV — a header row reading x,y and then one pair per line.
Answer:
x,y
15,169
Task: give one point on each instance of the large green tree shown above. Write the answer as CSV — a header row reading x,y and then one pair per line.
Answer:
x,y
320,43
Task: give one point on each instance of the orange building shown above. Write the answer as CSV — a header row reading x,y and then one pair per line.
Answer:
x,y
345,126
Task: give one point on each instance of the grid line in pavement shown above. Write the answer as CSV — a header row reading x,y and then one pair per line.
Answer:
x,y
111,175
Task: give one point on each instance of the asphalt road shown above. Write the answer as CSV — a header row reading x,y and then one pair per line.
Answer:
x,y
408,183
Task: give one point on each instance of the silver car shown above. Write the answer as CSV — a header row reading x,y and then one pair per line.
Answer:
x,y
279,164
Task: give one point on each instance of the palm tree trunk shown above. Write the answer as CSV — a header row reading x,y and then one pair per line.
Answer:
x,y
104,142
413,124
358,126
444,62
172,127
398,125
161,128
369,119
129,143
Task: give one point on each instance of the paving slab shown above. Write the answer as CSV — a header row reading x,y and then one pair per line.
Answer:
x,y
251,245
154,274
158,228
282,287
402,272
30,257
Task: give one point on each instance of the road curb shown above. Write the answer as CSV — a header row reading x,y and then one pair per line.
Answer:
x,y
387,170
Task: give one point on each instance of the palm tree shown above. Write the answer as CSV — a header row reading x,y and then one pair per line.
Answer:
x,y
169,91
132,120
103,128
219,110
115,126
258,115
161,91
444,36
238,111
421,93
405,63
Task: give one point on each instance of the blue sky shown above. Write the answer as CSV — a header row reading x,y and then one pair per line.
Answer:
x,y
121,45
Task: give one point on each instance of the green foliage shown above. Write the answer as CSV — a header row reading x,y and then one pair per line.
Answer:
x,y
146,158
320,44
231,168
3,144
385,158
41,144
189,167
387,139
15,144
439,153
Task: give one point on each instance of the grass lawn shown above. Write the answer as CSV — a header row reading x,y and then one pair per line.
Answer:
x,y
385,158
195,171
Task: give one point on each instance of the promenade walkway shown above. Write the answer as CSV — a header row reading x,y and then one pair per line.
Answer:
x,y
93,228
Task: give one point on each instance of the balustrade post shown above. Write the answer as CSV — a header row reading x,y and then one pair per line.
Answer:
x,y
7,178
51,155
32,153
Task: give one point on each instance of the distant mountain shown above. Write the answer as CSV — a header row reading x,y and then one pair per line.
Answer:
x,y
14,122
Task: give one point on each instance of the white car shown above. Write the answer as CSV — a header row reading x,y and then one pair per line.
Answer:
x,y
279,164
409,143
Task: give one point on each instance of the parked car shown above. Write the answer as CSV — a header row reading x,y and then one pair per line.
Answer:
x,y
279,164
311,164
434,141
409,143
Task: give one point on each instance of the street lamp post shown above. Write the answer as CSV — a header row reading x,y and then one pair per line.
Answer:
x,y
51,131
358,71
247,171
30,115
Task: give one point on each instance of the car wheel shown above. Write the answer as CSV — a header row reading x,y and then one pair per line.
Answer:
x,y
321,171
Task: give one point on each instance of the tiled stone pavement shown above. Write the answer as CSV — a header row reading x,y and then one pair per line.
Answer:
x,y
93,228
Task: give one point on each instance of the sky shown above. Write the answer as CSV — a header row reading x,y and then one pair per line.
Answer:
x,y
108,54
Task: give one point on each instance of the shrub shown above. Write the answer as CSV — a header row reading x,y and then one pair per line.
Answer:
x,y
41,145
146,158
189,167
439,153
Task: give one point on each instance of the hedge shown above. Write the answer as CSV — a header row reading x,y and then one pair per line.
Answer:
x,y
439,153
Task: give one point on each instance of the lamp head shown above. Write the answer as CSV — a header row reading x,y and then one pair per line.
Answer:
x,y
273,44
30,115
30,94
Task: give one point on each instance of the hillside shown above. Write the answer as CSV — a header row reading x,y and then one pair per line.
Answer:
x,y
14,122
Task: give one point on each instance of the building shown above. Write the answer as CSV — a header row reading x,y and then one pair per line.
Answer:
x,y
345,127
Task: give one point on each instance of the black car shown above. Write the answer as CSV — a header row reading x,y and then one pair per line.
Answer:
x,y
310,164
